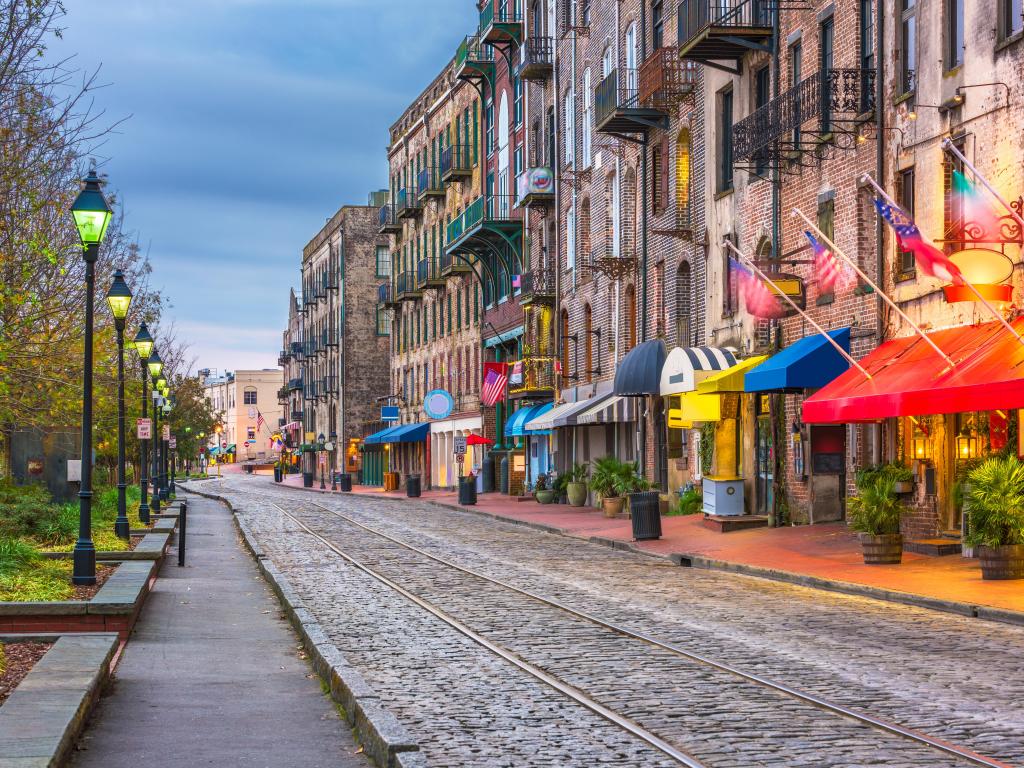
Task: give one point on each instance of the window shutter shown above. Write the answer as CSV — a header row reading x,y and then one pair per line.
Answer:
x,y
663,194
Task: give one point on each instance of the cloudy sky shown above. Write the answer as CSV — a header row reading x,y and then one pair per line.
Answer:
x,y
250,123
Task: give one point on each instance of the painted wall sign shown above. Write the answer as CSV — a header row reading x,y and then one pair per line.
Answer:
x,y
438,404
389,413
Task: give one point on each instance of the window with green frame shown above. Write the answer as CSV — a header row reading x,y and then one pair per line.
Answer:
x,y
433,323
489,142
419,331
383,322
517,109
448,311
383,261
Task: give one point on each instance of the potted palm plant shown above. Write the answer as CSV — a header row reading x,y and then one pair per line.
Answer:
x,y
607,481
995,514
875,514
576,487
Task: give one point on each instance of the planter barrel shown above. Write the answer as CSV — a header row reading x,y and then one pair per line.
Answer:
x,y
885,549
1002,563
577,493
612,506
645,512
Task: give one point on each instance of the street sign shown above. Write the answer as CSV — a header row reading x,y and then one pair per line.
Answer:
x,y
460,457
173,443
144,429
460,445
224,444
167,431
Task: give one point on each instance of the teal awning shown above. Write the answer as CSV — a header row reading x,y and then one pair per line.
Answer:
x,y
516,425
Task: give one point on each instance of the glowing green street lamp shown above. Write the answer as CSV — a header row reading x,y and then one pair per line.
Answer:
x,y
92,215
144,348
119,299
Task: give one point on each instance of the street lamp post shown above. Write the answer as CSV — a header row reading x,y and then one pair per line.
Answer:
x,y
165,491
323,460
119,298
92,215
172,450
155,448
144,348
334,474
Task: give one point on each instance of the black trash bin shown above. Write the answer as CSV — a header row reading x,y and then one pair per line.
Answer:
x,y
307,479
646,513
412,486
277,474
467,491
345,482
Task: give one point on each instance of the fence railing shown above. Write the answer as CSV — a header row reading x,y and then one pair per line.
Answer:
x,y
697,15
500,12
666,79
455,160
428,182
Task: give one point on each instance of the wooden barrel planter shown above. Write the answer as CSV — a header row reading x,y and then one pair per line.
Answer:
x,y
1001,563
885,549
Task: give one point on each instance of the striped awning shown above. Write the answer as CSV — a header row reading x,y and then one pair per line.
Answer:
x,y
685,366
563,415
292,425
617,410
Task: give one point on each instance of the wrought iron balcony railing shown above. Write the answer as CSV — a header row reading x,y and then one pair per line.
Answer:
x,y
282,394
385,294
536,58
537,285
500,12
407,202
716,25
428,272
295,384
611,94
829,98
456,162
481,211
666,79
534,374
387,220
296,414
429,184
405,285
473,53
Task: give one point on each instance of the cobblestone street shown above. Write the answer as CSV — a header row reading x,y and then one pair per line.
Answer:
x,y
936,674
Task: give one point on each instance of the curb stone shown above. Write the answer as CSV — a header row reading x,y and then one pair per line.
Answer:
x,y
383,737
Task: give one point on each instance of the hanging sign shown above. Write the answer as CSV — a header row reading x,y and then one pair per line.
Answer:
x,y
389,413
173,443
438,404
144,429
167,432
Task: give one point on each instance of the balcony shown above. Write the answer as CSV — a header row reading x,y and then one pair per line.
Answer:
x,y
501,22
456,163
283,357
332,280
407,204
294,384
537,286
535,186
312,390
537,59
841,96
537,378
387,221
330,338
666,80
405,287
429,184
296,415
619,109
724,30
330,385
386,296
488,219
295,348
450,265
428,273
474,60
282,395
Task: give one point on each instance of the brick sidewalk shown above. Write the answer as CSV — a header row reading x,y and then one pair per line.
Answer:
x,y
802,554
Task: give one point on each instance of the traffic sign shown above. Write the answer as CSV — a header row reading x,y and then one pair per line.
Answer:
x,y
224,444
167,431
460,445
460,457
143,429
173,443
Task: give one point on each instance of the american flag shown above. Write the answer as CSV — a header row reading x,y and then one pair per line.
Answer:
x,y
260,421
930,259
495,379
826,265
517,281
759,299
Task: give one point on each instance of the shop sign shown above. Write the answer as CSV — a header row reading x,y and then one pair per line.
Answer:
x,y
438,404
676,420
389,413
173,443
143,429
166,432
763,405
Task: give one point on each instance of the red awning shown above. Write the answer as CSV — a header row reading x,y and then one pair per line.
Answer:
x,y
909,379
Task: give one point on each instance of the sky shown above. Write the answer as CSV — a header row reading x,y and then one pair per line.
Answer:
x,y
249,123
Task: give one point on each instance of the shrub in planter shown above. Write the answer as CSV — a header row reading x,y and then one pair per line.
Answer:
x,y
542,492
611,481
576,485
875,514
691,501
995,509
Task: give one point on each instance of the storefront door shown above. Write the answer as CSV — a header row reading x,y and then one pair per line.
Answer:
x,y
828,474
765,465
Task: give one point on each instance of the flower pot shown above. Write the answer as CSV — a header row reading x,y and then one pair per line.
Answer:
x,y
903,486
612,506
577,493
1005,562
545,497
884,549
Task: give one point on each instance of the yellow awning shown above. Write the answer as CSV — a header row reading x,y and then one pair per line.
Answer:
x,y
695,407
731,379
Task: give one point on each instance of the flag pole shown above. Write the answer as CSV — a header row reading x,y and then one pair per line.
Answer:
x,y
985,302
795,306
949,146
869,281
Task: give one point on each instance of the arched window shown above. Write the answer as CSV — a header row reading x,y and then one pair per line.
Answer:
x,y
630,316
584,232
683,179
588,116
588,344
683,305
628,236
566,370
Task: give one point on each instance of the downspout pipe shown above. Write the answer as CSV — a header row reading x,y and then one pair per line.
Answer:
x,y
880,175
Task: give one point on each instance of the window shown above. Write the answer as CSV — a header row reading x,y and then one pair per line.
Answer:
x,y
631,316
724,129
383,322
867,34
826,60
249,397
908,46
657,24
517,104
683,289
517,161
762,94
682,179
826,223
953,203
489,141
250,433
448,312
383,261
585,16
606,62
905,191
549,142
570,127
588,117
1011,18
954,33
476,130
570,239
796,56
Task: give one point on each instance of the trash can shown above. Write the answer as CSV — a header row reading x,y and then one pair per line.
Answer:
x,y
645,510
345,482
307,479
467,490
277,474
412,486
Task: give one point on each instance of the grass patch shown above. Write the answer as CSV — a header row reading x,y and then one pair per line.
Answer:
x,y
44,580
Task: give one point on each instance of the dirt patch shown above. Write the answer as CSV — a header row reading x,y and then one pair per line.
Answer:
x,y
134,542
88,591
16,661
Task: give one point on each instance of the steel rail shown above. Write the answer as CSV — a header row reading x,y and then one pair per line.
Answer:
x,y
575,694
809,698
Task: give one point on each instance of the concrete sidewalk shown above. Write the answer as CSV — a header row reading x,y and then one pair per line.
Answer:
x,y
827,556
212,674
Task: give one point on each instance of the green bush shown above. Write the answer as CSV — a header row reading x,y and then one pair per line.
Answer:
x,y
896,471
876,510
16,554
691,501
613,478
995,503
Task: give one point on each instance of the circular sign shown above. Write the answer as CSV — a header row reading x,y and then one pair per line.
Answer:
x,y
438,404
328,446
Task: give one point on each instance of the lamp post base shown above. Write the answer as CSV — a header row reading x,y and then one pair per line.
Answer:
x,y
144,514
84,563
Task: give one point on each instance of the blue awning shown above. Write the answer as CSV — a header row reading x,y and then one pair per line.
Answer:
x,y
808,363
516,425
639,373
378,437
407,433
